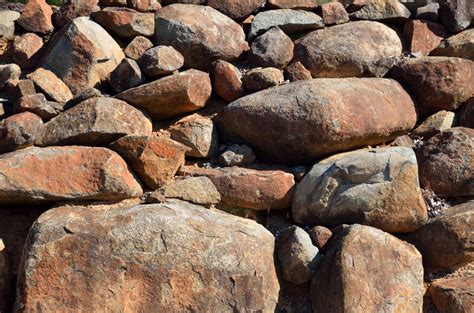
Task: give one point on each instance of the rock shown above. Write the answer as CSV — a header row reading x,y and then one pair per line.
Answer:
x,y
262,78
84,95
453,295
199,190
7,23
161,60
460,45
423,36
439,83
296,71
155,160
434,124
455,15
198,133
446,242
39,105
135,49
320,236
449,154
376,187
290,21
144,5
236,9
171,96
79,173
467,114
168,2
352,277
334,13
51,85
127,75
196,32
272,49
227,81
19,131
276,124
9,74
249,188
24,87
236,155
36,17
403,141
337,55
292,4
428,12
182,255
73,9
95,122
82,54
391,11
26,50
4,277
299,258
113,3
126,23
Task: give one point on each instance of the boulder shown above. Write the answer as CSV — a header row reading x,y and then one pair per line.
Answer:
x,y
300,122
236,9
334,13
36,17
227,81
236,155
7,23
9,74
460,45
144,5
466,118
19,131
453,295
38,105
198,190
135,49
73,9
126,75
65,173
262,78
391,11
333,52
455,15
196,32
26,50
320,236
24,87
272,49
51,85
296,71
125,22
293,4
182,256
423,36
161,60
434,124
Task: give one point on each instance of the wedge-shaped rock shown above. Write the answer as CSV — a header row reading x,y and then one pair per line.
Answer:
x,y
172,95
460,45
368,270
376,187
181,256
303,121
65,173
95,122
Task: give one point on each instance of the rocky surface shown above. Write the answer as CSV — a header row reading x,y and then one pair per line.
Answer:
x,y
460,45
20,131
199,190
453,295
272,49
126,22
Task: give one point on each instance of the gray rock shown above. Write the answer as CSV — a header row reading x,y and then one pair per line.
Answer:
x,y
9,74
125,22
428,12
236,155
199,190
160,61
456,15
127,75
7,23
39,105
272,49
387,10
262,78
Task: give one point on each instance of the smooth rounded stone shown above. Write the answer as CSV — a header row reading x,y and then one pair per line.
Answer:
x,y
293,4
262,78
391,11
428,12
72,9
82,54
227,81
171,96
298,257
423,36
438,83
51,85
36,17
39,105
198,133
135,49
126,23
183,256
74,173
367,270
290,21
236,9
127,75
4,277
450,155
95,122
434,124
272,49
333,52
196,32
334,13
466,118
236,155
460,45
248,188
9,74
453,295
376,187
300,122
7,23
161,60
456,15
320,236
198,190
19,131
26,50
296,71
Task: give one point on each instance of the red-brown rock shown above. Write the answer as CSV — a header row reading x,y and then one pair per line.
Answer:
x,y
36,17
135,49
227,81
160,61
453,295
26,50
460,45
126,75
19,131
262,78
125,22
5,282
320,236
423,36
39,105
72,9
334,13
51,85
236,9
144,5
467,114
296,71
293,4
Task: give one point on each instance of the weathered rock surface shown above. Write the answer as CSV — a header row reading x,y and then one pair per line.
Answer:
x,y
300,122
434,124
227,81
126,75
236,155
36,17
126,23
199,190
467,114
455,15
7,23
160,61
73,9
135,49
39,105
333,52
185,257
293,4
262,78
236,9
423,36
79,173
383,10
320,236
455,295
171,96
26,50
352,277
51,85
272,49
19,131
334,13
9,74
428,12
296,71
460,45
4,277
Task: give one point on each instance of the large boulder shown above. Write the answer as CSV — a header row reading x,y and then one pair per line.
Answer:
x,y
196,32
368,270
377,187
51,85
302,121
82,54
352,49
65,173
169,257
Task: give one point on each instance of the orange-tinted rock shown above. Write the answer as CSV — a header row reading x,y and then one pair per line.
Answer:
x,y
51,85
135,49
227,81
334,13
72,9
160,61
453,295
262,78
423,36
296,71
19,131
65,173
25,50
38,105
236,9
24,87
36,17
460,45
320,236
126,75
293,4
144,5
125,22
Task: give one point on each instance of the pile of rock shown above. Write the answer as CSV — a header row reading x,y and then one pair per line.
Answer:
x,y
133,132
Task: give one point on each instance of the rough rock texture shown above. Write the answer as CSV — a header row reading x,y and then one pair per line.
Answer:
x,y
456,15
383,10
272,49
82,54
26,50
296,71
79,173
423,36
227,81
161,60
467,114
236,155
36,17
95,122
39,105
19,131
170,96
24,87
262,78
236,9
4,277
300,122
9,74
249,188
126,23
144,5
196,32
460,45
293,4
126,75
334,13
449,155
434,124
7,23
199,190
51,85
333,52
135,49
353,277
184,257
72,9
455,295
320,236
